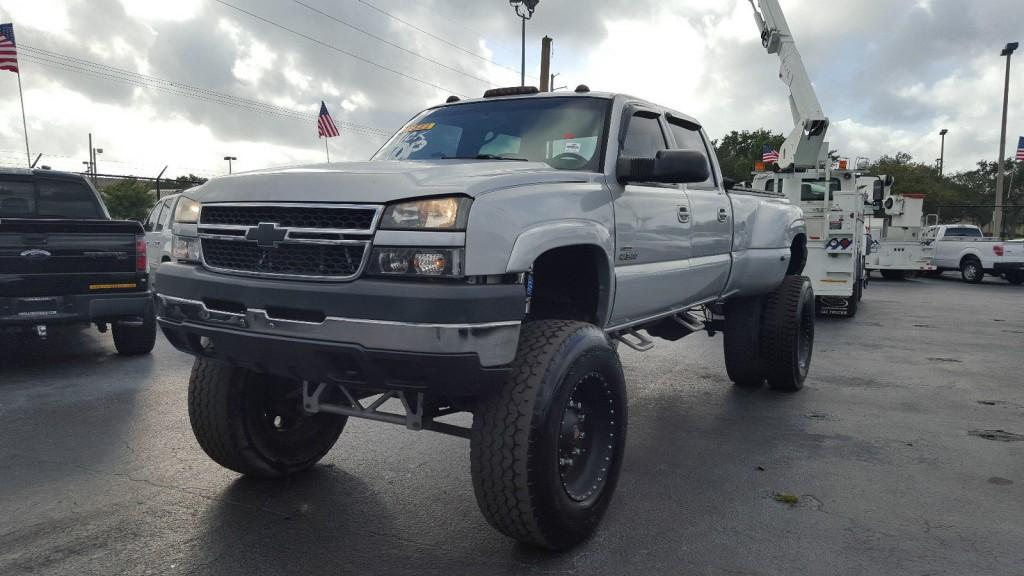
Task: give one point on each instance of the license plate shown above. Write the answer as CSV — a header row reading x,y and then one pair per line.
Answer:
x,y
38,306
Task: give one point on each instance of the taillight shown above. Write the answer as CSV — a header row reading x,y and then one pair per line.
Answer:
x,y
998,249
141,265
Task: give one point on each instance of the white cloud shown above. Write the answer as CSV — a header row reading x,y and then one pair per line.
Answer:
x,y
156,10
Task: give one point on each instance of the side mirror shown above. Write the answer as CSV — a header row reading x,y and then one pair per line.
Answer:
x,y
667,167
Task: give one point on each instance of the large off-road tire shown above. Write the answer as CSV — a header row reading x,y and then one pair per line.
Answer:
x,y
892,274
254,423
132,338
741,337
787,333
547,446
971,270
1016,277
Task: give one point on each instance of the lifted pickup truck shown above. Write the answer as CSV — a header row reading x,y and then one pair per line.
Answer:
x,y
489,259
64,261
965,248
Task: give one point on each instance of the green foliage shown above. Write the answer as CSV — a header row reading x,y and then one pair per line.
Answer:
x,y
963,196
189,181
739,151
128,200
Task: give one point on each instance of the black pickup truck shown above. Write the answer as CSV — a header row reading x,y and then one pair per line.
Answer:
x,y
64,261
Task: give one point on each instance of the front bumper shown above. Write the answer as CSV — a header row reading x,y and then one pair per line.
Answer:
x,y
293,329
75,308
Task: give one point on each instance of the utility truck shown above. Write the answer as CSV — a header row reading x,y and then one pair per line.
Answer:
x,y
897,246
831,201
489,259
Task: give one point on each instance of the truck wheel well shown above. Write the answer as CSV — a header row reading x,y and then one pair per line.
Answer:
x,y
570,283
968,258
797,255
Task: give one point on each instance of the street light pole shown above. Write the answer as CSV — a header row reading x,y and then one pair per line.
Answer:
x,y
942,151
524,9
229,159
997,216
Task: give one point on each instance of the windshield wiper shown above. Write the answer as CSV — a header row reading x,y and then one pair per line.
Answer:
x,y
485,157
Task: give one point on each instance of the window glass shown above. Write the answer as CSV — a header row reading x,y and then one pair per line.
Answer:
x,y
63,199
814,190
165,215
769,185
964,232
643,137
566,132
17,199
690,139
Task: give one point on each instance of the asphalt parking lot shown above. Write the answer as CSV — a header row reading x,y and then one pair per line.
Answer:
x,y
891,452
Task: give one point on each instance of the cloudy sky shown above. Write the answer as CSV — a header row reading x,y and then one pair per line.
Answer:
x,y
148,77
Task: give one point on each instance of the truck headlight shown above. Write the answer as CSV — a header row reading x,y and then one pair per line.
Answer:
x,y
417,262
185,248
187,211
430,214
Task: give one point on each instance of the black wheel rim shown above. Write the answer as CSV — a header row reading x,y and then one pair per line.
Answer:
x,y
587,437
805,339
281,409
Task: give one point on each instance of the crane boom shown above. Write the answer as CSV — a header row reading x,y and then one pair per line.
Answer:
x,y
805,145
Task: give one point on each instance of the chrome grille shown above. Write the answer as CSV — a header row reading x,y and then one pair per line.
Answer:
x,y
352,218
292,259
308,241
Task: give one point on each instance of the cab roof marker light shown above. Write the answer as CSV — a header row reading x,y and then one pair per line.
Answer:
x,y
512,91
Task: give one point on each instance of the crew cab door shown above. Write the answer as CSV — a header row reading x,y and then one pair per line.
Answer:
x,y
711,218
652,226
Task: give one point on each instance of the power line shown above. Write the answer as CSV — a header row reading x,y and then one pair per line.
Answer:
x,y
160,83
336,49
441,39
389,43
125,76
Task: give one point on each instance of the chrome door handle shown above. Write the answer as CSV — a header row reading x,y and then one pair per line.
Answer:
x,y
684,214
723,214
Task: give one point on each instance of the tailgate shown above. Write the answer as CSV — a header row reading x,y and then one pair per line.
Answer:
x,y
58,257
1013,251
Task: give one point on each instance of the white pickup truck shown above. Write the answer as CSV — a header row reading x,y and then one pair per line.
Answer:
x,y
965,248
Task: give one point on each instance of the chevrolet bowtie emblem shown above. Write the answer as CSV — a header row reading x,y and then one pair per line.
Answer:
x,y
266,234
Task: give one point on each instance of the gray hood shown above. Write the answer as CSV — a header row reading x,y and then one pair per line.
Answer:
x,y
380,182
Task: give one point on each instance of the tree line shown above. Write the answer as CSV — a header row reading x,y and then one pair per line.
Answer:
x,y
960,196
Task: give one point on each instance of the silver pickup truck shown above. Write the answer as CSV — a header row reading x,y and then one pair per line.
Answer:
x,y
489,259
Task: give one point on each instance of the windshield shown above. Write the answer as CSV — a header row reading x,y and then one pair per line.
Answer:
x,y
48,199
566,133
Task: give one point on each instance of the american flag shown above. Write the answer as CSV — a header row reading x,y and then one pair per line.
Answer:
x,y
1020,149
769,154
8,51
326,125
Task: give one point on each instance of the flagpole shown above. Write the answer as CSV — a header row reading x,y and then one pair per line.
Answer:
x,y
328,150
24,123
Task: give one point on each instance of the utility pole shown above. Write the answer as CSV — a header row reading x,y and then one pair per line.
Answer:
x,y
92,160
546,84
942,152
229,159
997,216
